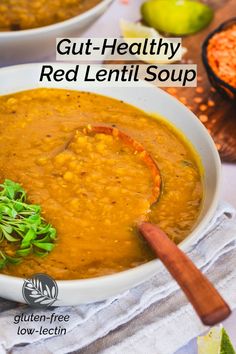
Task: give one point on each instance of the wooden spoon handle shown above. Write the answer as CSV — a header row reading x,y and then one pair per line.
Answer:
x,y
208,303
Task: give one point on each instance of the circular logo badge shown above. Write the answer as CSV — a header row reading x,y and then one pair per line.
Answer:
x,y
40,290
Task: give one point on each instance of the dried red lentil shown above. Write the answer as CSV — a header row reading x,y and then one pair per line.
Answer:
x,y
203,118
203,107
221,54
211,103
197,99
199,89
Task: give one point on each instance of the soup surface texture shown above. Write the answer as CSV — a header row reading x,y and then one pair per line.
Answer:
x,y
16,15
93,188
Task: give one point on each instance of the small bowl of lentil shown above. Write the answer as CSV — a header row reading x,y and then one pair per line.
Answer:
x,y
219,58
28,30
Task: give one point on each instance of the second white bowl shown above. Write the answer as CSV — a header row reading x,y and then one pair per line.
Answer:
x,y
30,45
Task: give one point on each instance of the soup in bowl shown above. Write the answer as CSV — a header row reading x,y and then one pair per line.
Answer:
x,y
28,30
33,14
93,188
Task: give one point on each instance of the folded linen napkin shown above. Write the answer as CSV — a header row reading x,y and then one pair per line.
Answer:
x,y
153,317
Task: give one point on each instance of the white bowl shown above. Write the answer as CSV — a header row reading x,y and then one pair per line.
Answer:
x,y
150,99
38,43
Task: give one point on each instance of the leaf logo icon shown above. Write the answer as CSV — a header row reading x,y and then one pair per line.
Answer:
x,y
40,290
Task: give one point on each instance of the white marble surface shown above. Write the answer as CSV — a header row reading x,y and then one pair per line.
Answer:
x,y
108,26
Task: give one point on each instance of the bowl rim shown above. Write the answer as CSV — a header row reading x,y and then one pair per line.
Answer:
x,y
219,28
58,25
155,263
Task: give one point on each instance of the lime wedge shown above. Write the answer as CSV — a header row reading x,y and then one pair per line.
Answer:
x,y
136,30
177,17
132,31
215,342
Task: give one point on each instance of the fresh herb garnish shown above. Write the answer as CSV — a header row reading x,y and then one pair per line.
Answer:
x,y
22,225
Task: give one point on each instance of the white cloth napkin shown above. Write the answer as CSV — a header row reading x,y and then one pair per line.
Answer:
x,y
153,317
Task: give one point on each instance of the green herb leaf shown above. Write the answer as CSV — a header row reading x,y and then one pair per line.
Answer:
x,y
8,236
45,246
22,225
24,252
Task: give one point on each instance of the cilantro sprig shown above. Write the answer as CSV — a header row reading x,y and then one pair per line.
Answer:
x,y
22,225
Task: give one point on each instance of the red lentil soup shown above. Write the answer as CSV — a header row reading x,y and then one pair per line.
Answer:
x,y
96,189
25,14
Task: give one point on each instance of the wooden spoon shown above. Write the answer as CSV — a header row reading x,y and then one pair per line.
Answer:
x,y
206,300
208,303
136,147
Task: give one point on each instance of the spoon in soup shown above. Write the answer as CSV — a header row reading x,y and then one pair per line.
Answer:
x,y
206,300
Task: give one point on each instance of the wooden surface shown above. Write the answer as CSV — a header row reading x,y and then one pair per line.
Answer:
x,y
216,113
208,303
219,119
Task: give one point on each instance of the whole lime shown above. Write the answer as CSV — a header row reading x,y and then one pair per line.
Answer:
x,y
177,17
